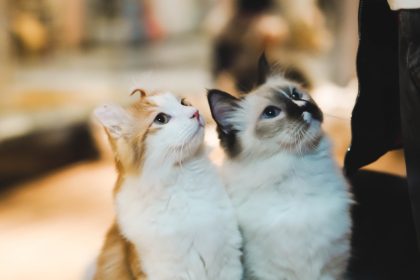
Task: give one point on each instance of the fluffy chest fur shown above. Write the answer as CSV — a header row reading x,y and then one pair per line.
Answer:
x,y
294,216
182,225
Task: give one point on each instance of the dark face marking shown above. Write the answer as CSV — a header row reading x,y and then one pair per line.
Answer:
x,y
312,108
229,142
292,109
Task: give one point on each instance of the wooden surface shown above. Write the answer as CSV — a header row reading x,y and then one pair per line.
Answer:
x,y
53,227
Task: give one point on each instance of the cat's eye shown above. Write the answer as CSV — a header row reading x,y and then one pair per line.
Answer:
x,y
162,118
185,102
270,112
295,94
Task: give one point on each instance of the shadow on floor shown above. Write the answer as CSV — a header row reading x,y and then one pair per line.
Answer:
x,y
384,240
41,152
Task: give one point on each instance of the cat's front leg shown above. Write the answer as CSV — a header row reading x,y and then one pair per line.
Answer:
x,y
233,270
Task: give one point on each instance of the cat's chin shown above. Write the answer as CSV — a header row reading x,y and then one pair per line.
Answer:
x,y
309,144
192,146
309,141
197,140
192,154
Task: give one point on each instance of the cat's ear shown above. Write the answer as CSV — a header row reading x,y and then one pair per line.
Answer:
x,y
264,69
222,105
115,119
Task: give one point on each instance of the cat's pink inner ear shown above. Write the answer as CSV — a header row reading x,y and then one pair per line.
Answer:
x,y
114,118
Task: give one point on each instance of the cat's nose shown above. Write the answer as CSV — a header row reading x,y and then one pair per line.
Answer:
x,y
309,109
196,115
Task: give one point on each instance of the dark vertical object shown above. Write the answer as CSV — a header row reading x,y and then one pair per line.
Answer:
x,y
409,25
386,115
376,118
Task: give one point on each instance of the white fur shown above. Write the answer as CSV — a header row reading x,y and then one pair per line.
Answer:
x,y
291,200
179,221
294,215
176,211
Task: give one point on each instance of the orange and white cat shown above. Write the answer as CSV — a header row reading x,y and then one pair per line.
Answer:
x,y
174,220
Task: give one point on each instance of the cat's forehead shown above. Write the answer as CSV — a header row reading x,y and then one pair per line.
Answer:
x,y
275,85
265,95
164,99
276,91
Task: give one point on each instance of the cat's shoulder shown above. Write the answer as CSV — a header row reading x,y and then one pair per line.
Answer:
x,y
118,258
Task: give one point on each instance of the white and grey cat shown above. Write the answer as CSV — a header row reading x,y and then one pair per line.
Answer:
x,y
291,199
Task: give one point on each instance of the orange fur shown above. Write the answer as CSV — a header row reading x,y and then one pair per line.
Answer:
x,y
142,112
118,258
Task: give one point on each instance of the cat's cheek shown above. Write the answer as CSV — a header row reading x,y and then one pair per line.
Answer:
x,y
199,135
201,121
315,128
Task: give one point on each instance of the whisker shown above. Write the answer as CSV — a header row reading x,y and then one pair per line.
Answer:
x,y
284,93
180,151
177,150
336,117
180,156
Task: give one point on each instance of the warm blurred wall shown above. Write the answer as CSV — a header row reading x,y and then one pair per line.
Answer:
x,y
345,30
68,18
183,20
4,45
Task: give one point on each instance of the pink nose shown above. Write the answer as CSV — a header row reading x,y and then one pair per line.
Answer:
x,y
195,115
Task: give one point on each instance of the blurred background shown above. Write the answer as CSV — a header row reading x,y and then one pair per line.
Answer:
x,y
61,59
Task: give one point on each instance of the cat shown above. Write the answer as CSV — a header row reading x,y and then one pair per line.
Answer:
x,y
174,219
291,199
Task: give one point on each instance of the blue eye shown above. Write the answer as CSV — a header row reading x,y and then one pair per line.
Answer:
x,y
270,112
295,94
